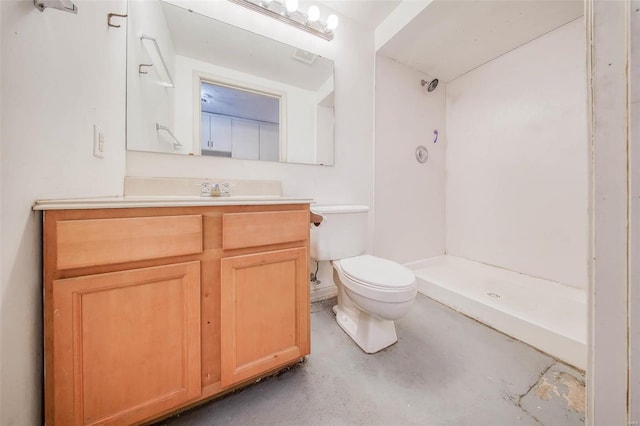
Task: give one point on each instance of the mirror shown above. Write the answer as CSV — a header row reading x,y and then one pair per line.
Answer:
x,y
199,86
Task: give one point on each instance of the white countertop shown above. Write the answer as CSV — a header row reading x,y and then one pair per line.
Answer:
x,y
163,201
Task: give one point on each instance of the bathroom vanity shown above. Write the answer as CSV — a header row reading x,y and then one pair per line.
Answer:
x,y
154,304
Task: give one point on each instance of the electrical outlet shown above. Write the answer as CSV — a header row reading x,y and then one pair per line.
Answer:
x,y
98,142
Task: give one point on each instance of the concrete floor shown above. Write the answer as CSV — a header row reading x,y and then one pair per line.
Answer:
x,y
446,369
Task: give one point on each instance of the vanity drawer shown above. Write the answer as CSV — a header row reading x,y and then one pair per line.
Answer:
x,y
83,243
241,230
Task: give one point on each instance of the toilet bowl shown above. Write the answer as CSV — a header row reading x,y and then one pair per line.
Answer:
x,y
372,292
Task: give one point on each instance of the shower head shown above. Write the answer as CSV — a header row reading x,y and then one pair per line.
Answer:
x,y
431,85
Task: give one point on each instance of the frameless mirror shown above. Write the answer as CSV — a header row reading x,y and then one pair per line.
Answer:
x,y
199,86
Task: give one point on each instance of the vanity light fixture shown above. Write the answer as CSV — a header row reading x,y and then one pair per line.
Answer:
x,y
287,11
291,6
332,22
313,14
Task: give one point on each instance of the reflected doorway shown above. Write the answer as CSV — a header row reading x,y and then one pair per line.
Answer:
x,y
239,123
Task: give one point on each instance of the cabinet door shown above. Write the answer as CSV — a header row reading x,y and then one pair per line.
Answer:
x,y
126,344
215,133
264,312
205,131
220,133
246,140
269,142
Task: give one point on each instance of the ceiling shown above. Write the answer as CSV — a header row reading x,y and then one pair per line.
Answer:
x,y
445,40
369,13
234,102
450,37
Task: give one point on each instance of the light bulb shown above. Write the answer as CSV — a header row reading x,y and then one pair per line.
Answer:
x,y
332,22
291,5
313,13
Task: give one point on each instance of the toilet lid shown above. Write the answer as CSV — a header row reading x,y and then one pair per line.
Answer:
x,y
377,271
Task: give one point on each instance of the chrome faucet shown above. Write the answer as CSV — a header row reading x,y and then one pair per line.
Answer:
x,y
212,189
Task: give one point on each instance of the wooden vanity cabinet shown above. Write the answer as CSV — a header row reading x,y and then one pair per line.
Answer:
x,y
126,344
149,310
263,319
264,309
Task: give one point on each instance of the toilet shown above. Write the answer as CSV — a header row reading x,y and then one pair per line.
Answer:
x,y
372,292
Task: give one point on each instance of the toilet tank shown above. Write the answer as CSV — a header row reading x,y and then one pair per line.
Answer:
x,y
342,233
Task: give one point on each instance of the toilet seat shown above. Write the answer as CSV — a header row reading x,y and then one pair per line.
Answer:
x,y
378,273
377,279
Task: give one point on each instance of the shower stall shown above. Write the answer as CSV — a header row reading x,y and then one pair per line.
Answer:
x,y
495,221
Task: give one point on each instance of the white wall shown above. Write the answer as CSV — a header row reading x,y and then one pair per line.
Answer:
x,y
608,368
60,74
324,124
350,180
324,134
409,197
1,247
517,160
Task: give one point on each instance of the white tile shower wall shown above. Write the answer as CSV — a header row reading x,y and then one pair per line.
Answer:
x,y
350,180
61,73
517,160
409,198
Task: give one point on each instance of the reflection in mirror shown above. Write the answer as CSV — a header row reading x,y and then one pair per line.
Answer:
x,y
237,123
223,91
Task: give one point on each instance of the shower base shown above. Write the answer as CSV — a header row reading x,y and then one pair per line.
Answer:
x,y
547,315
